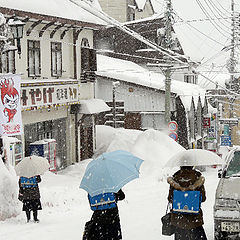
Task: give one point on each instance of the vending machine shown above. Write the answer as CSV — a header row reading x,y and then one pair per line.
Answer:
x,y
45,148
15,151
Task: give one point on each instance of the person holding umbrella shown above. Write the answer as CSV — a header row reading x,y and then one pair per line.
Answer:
x,y
30,196
105,220
187,220
29,171
103,179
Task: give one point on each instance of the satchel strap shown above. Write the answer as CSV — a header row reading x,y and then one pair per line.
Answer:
x,y
168,207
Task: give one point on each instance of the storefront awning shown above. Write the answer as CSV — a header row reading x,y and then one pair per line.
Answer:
x,y
93,106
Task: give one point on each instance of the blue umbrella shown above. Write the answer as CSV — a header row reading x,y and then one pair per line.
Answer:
x,y
110,172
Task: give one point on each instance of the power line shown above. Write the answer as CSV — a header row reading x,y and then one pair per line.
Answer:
x,y
214,40
173,55
213,12
207,15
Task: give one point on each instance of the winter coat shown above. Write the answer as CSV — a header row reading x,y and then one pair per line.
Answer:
x,y
184,180
106,223
29,193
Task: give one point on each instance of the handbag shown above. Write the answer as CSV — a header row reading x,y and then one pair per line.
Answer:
x,y
167,228
87,230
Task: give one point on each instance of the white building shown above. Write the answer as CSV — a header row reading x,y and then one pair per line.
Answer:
x,y
57,66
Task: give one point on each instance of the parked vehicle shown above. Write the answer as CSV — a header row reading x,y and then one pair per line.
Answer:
x,y
227,201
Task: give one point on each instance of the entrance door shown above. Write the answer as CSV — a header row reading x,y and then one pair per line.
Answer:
x,y
86,136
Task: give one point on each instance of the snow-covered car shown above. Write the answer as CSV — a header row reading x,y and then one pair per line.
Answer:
x,y
227,201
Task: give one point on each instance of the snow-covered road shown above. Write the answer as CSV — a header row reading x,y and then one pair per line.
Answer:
x,y
66,209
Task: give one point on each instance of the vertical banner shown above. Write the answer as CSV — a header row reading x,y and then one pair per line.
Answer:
x,y
10,107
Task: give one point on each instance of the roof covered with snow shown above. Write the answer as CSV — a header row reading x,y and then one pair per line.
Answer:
x,y
56,8
133,73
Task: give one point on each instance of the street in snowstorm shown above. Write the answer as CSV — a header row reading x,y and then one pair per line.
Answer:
x,y
66,207
119,119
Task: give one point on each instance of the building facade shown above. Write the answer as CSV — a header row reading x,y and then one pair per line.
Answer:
x,y
56,75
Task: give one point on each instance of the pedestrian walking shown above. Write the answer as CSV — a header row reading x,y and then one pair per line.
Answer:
x,y
30,196
105,221
188,222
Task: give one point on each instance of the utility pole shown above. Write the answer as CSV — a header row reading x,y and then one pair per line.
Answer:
x,y
232,63
167,44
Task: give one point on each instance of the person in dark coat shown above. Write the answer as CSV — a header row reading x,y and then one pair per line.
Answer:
x,y
106,223
30,196
188,226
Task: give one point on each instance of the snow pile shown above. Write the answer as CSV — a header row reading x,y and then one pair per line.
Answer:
x,y
9,204
153,146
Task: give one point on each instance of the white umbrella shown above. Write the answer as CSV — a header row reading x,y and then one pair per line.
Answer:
x,y
194,157
32,166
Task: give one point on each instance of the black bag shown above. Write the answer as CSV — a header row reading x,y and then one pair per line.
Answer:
x,y
87,230
167,228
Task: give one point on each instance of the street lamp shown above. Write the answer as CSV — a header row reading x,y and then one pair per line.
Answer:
x,y
17,26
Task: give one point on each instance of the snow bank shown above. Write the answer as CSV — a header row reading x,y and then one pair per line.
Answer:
x,y
153,146
9,204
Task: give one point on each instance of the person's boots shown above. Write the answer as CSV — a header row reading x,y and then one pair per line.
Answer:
x,y
28,214
35,213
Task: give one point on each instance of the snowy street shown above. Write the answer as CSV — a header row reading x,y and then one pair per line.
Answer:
x,y
66,208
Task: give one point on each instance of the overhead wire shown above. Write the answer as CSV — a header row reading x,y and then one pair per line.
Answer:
x,y
173,55
219,11
207,15
213,12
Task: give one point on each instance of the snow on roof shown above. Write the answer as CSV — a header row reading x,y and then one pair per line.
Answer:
x,y
56,8
133,73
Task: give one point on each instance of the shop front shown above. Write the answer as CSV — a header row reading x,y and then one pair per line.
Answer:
x,y
46,116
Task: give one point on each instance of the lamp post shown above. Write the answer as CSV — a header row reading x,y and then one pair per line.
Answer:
x,y
17,26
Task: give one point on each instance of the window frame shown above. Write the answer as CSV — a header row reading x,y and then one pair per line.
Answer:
x,y
5,65
56,48
34,49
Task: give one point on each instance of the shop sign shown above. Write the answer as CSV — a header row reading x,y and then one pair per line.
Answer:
x,y
230,121
10,107
206,122
226,141
35,96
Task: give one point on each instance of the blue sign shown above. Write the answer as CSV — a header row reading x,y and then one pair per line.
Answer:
x,y
226,141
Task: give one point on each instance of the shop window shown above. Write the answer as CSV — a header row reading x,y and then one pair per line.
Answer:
x,y
7,62
34,59
56,59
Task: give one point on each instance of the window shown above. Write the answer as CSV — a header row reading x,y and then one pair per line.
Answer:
x,y
131,14
7,62
34,60
85,43
190,78
56,59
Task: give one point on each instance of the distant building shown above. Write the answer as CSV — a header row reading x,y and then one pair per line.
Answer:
x,y
127,10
